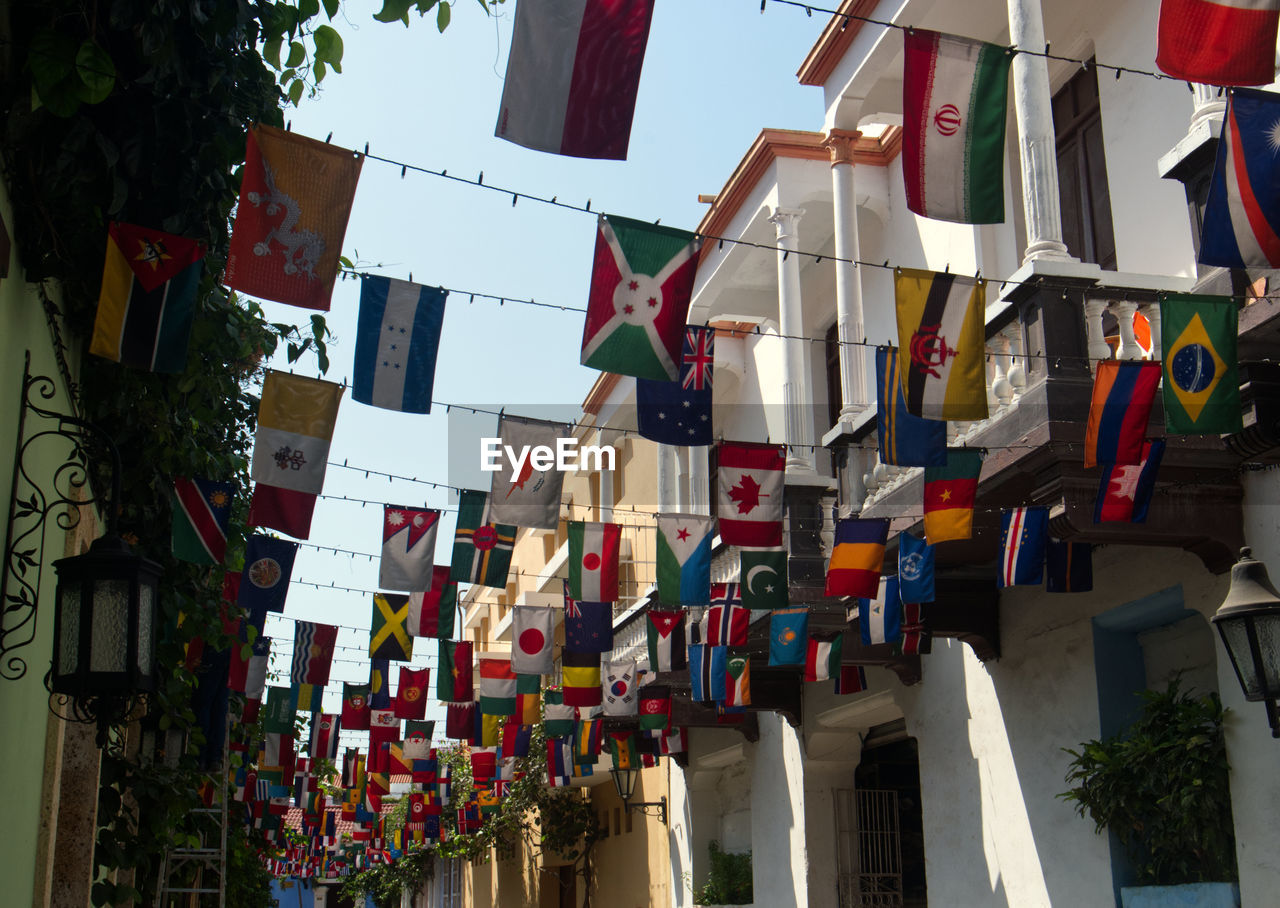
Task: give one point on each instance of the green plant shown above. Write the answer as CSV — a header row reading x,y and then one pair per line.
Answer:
x,y
1162,788
729,879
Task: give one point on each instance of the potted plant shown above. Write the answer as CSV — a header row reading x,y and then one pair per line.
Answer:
x,y
1162,787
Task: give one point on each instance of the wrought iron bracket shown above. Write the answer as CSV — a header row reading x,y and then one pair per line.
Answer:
x,y
31,502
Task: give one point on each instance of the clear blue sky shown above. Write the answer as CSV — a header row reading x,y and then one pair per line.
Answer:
x,y
716,73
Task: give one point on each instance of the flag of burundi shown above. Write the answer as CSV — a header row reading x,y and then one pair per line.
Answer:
x,y
641,283
954,95
593,561
684,558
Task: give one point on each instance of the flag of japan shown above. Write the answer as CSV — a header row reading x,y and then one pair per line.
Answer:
x,y
750,483
532,634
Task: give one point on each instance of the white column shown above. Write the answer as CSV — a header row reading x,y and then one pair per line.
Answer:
x,y
1210,104
666,478
849,321
1098,348
779,859
1037,145
700,480
797,396
682,478
1152,312
1129,347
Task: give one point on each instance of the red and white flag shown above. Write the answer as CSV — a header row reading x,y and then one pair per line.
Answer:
x,y
750,483
408,548
324,736
572,76
1218,42
532,634
593,561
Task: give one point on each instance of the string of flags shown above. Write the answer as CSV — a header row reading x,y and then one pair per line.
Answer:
x,y
295,203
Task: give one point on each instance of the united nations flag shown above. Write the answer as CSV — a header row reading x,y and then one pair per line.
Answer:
x,y
1201,384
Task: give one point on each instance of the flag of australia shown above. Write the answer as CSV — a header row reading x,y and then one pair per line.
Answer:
x,y
679,412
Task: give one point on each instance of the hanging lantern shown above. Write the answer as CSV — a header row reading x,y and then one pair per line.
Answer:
x,y
1249,624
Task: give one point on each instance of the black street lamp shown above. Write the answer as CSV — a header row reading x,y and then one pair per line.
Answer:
x,y
624,780
1249,624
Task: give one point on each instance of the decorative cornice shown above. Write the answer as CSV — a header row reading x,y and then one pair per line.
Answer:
x,y
600,392
835,39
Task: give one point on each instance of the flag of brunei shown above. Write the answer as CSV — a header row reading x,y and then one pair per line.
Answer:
x,y
145,308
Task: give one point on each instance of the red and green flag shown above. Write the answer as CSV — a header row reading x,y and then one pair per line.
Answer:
x,y
955,92
593,561
201,510
641,284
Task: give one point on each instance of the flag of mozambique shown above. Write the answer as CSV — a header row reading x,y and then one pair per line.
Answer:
x,y
481,548
149,284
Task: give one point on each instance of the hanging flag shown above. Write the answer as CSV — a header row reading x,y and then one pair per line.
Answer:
x,y
460,720
149,284
380,684
295,198
880,619
737,681
581,675
324,737
1124,494
588,737
955,94
1023,534
1069,567
588,626
532,635
312,652
453,681
1201,383
397,336
481,548
1242,213
949,494
309,696
417,739
750,479
1218,42
619,687
247,671
201,510
684,558
593,560
941,348
384,727
857,557
1123,392
389,637
822,658
655,708
851,680
559,761
355,707
764,578
917,640
295,425
528,699
572,76
915,569
679,412
520,494
641,283
285,510
411,695
408,547
707,672
665,635
623,750
788,636
264,582
557,717
904,440
516,738
432,613
497,687
727,621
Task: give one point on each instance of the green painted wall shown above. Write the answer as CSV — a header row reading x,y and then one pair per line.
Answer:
x,y
24,710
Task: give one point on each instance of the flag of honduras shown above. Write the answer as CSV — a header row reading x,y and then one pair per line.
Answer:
x,y
397,337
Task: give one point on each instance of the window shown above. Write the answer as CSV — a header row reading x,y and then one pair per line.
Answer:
x,y
451,884
1082,171
835,396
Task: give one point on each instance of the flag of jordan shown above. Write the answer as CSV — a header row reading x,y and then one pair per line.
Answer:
x,y
1201,385
408,548
641,283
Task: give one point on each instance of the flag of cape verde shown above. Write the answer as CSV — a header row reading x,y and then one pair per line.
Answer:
x,y
1122,396
1024,532
1242,212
